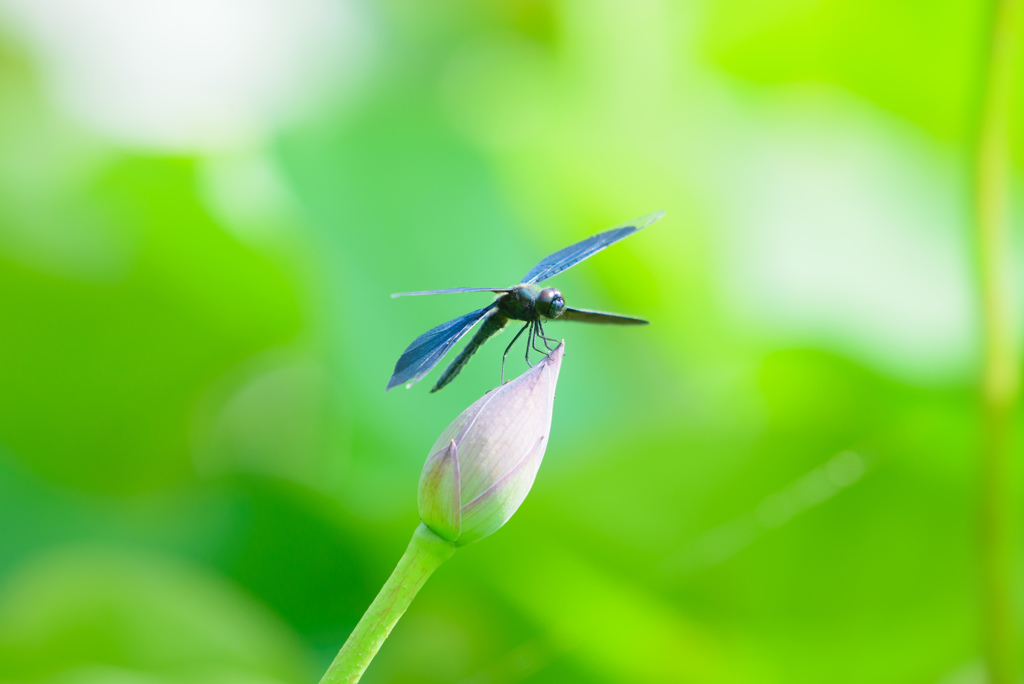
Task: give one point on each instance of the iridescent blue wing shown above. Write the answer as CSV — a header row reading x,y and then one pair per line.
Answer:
x,y
566,258
588,316
430,347
451,290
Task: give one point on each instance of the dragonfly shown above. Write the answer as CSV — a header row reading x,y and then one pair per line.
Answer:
x,y
527,302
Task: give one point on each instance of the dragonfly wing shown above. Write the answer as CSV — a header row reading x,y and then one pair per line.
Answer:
x,y
451,290
588,316
564,259
430,347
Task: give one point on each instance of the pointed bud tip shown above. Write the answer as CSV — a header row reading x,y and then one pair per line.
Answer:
x,y
555,356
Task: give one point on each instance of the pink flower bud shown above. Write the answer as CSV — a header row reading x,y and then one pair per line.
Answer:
x,y
482,467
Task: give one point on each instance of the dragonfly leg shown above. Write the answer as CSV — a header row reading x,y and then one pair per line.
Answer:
x,y
545,337
537,334
507,350
529,341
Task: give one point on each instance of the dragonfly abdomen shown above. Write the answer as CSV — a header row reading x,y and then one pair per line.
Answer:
x,y
492,325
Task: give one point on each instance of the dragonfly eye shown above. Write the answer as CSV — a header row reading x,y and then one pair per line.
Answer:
x,y
550,303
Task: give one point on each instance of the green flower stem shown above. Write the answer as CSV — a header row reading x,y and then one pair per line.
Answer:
x,y
1000,381
425,554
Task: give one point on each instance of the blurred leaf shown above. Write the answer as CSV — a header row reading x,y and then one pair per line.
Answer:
x,y
94,609
100,377
917,59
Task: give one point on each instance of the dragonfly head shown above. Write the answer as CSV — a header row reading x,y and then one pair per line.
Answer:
x,y
550,303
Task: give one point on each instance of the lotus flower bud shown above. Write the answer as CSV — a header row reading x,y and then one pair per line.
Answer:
x,y
482,467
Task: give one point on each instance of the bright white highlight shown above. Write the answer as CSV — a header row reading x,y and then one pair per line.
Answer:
x,y
190,74
846,228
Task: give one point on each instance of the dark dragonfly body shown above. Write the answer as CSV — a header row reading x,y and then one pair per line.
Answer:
x,y
525,302
521,304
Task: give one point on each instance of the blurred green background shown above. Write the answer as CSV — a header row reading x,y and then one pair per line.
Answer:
x,y
204,205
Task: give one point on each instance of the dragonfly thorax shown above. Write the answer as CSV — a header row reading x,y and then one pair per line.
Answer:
x,y
528,303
